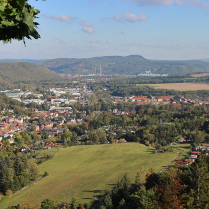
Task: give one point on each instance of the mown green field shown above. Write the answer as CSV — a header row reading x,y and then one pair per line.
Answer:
x,y
83,171
184,149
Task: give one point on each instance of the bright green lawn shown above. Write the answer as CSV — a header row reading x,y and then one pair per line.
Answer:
x,y
82,171
183,148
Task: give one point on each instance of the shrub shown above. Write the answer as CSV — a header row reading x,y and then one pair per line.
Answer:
x,y
45,174
9,193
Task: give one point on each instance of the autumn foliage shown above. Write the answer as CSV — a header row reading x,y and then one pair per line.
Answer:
x,y
170,190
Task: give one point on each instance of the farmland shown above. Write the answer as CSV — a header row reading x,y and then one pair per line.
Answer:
x,y
83,171
200,75
180,86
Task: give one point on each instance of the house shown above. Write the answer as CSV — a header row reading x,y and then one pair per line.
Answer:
x,y
50,144
164,98
140,99
189,160
110,111
120,100
35,149
37,128
47,147
193,156
196,153
11,140
51,131
23,150
122,140
181,140
180,162
1,124
34,110
10,120
114,140
205,147
48,124
115,110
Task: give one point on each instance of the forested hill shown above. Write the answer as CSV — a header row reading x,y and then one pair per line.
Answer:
x,y
130,65
25,72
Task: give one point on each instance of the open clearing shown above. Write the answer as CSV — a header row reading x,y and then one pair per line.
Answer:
x,y
200,75
180,86
83,171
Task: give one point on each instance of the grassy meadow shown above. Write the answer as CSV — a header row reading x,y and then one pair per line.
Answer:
x,y
83,171
184,149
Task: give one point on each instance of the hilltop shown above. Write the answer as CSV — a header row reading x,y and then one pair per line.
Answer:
x,y
129,65
25,72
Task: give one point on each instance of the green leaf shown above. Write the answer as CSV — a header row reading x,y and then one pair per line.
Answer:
x,y
21,2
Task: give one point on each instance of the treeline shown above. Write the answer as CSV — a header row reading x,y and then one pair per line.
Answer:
x,y
185,188
150,124
132,86
16,174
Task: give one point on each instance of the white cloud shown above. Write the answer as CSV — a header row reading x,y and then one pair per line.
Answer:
x,y
129,17
180,2
86,24
87,27
118,17
201,3
151,2
88,30
143,17
64,18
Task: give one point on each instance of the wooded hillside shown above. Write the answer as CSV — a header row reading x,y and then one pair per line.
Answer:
x,y
25,72
130,65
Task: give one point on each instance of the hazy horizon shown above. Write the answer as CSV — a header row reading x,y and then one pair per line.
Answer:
x,y
155,29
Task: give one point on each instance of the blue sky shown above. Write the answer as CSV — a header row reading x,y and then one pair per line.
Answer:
x,y
155,29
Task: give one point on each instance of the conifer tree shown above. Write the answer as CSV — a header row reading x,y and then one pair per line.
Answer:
x,y
4,180
17,168
16,183
198,184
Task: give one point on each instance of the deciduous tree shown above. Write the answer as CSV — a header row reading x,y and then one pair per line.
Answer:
x,y
17,20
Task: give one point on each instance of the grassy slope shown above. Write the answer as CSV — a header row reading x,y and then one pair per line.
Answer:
x,y
183,148
82,171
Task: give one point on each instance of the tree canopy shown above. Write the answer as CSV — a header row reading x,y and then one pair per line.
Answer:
x,y
17,20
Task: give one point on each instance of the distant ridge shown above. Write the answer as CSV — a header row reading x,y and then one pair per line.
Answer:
x,y
26,72
20,60
129,65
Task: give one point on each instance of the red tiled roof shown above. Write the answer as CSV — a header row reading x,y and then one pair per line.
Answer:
x,y
197,153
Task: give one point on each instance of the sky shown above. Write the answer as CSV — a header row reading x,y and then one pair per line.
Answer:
x,y
154,29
